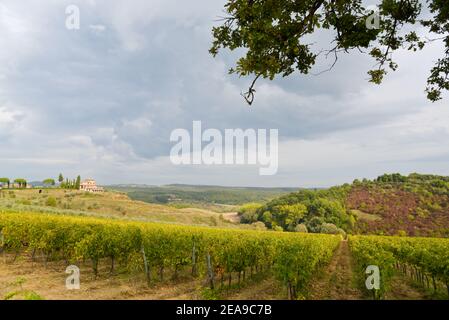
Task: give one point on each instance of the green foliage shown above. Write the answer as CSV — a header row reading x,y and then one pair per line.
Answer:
x,y
259,226
428,257
402,233
188,195
301,228
308,207
21,182
25,202
49,182
293,213
395,177
20,292
5,181
51,202
368,251
329,228
276,36
69,183
10,295
296,263
248,212
78,182
31,295
314,224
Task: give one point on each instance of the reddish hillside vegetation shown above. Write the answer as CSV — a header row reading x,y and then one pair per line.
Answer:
x,y
399,209
392,204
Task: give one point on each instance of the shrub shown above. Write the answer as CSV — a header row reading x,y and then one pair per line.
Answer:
x,y
342,232
31,295
25,202
402,233
248,212
259,226
329,228
213,221
301,228
314,224
51,202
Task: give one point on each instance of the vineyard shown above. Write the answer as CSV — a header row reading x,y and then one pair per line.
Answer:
x,y
224,258
215,254
425,260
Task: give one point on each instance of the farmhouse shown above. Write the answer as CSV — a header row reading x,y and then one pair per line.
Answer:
x,y
90,185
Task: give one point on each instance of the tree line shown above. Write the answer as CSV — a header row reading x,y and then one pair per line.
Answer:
x,y
66,183
21,183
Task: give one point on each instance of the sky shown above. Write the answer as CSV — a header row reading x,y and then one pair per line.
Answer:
x,y
103,100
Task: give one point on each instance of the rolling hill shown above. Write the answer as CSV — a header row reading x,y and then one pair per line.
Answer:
x,y
115,205
215,198
392,204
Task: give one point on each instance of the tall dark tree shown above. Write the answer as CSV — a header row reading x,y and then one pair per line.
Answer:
x,y
78,182
60,178
276,35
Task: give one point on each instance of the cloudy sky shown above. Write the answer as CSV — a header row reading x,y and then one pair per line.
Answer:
x,y
102,101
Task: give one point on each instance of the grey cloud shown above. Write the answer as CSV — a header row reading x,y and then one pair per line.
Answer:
x,y
108,97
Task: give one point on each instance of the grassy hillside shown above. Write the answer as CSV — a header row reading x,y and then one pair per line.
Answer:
x,y
109,204
414,205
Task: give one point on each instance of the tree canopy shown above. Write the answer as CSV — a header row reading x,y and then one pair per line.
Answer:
x,y
311,208
49,182
275,35
21,182
5,181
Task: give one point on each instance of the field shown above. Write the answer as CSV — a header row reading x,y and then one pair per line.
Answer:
x,y
162,251
198,248
140,260
115,205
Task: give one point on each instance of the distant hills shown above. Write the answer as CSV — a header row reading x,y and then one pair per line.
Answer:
x,y
202,187
180,193
36,183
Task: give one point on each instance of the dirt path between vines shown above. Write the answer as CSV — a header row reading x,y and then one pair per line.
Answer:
x,y
337,282
266,289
